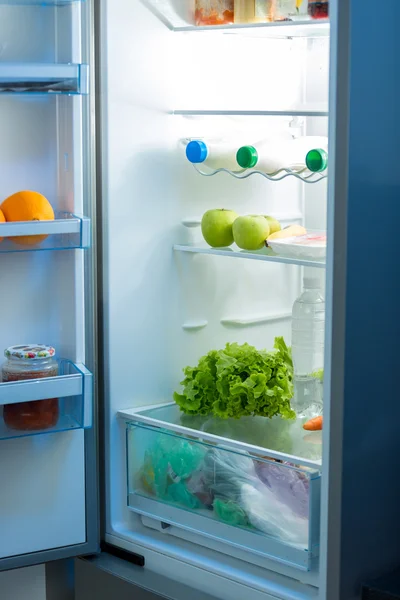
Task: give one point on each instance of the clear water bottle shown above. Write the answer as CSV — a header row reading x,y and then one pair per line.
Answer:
x,y
308,333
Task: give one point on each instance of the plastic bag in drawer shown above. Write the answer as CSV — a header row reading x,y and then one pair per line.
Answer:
x,y
171,472
241,498
289,486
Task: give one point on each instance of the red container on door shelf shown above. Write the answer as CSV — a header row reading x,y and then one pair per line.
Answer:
x,y
318,9
214,12
30,361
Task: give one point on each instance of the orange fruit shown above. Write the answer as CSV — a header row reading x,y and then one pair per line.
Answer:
x,y
2,220
27,206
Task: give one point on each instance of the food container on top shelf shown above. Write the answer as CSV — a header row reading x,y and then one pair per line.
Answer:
x,y
30,361
214,12
311,246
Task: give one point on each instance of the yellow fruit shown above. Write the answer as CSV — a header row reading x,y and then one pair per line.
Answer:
x,y
27,206
274,224
291,231
2,220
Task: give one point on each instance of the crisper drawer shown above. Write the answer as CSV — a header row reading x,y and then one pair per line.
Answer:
x,y
255,504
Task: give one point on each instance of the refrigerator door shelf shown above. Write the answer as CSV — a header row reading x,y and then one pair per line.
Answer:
x,y
236,499
66,232
44,78
234,252
74,389
304,175
178,16
276,438
38,2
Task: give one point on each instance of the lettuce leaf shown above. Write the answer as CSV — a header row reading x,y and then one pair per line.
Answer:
x,y
240,381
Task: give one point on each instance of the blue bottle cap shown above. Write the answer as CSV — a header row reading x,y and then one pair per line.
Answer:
x,y
196,151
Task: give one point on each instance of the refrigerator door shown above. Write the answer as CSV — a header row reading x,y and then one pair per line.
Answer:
x,y
48,496
361,490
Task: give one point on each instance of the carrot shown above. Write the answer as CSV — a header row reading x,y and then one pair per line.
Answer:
x,y
314,424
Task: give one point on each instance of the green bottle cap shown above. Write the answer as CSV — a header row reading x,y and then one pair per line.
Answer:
x,y
317,160
247,157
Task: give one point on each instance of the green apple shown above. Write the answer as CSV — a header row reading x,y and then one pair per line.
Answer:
x,y
250,232
274,224
216,227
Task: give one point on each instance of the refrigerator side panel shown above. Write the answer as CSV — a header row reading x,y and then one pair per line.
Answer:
x,y
362,462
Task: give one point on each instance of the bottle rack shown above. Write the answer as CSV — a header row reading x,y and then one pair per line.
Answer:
x,y
66,232
305,175
73,387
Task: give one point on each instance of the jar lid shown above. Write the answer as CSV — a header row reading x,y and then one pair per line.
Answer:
x,y
29,351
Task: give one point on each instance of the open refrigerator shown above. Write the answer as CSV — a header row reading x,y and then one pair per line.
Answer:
x,y
127,291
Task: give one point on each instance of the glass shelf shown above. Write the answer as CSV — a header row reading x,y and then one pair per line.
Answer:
x,y
231,498
305,175
176,16
263,255
66,232
297,110
73,389
43,78
275,438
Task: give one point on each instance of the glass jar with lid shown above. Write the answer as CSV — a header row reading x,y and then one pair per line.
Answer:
x,y
30,361
214,12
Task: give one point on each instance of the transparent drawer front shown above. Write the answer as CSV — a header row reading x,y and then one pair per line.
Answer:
x,y
253,503
48,405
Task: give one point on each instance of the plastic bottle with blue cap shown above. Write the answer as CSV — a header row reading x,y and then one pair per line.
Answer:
x,y
213,155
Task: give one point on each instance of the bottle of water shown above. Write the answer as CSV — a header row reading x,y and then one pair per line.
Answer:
x,y
308,332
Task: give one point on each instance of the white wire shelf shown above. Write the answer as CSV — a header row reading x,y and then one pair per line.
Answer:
x,y
305,175
264,254
177,17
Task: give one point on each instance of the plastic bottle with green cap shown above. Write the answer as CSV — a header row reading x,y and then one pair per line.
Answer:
x,y
317,160
275,155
